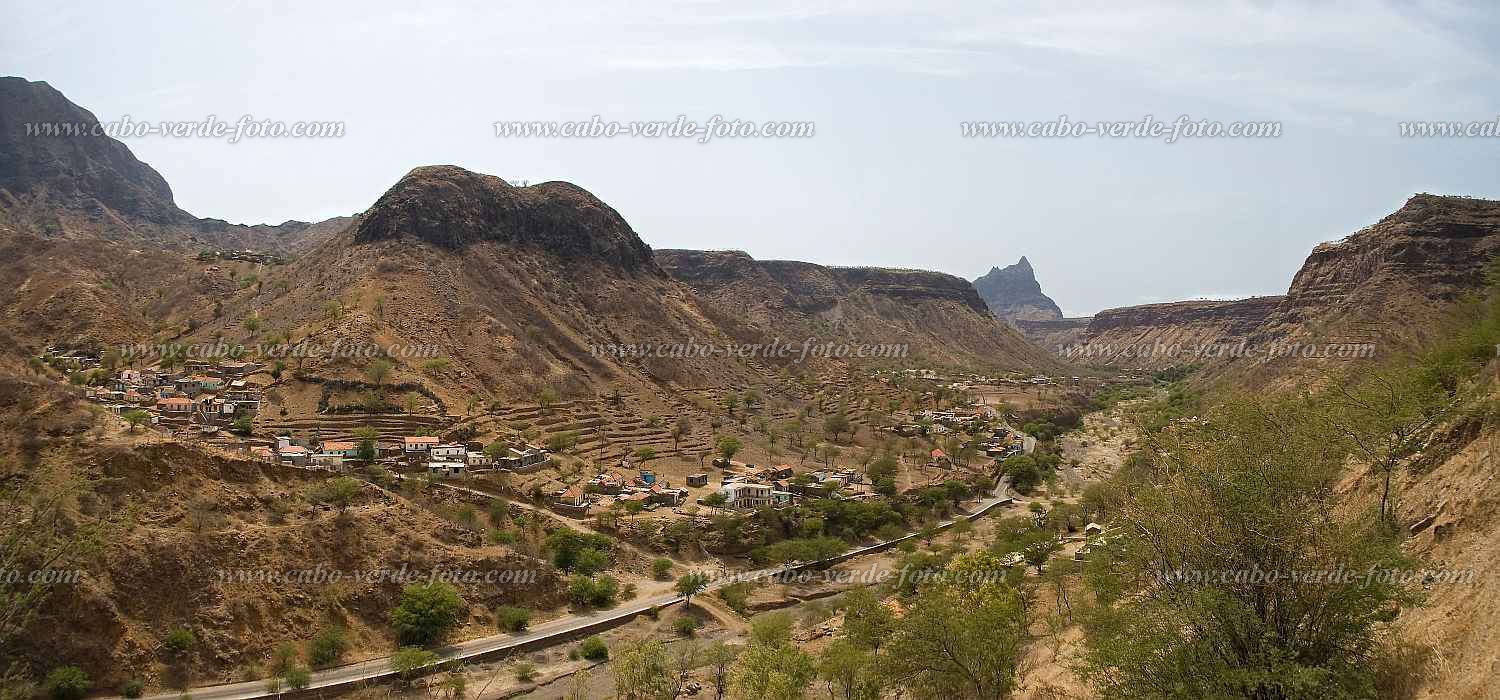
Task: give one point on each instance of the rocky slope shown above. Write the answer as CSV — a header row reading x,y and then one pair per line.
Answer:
x,y
62,177
937,316
1385,284
1013,294
1375,293
192,538
1053,334
1155,336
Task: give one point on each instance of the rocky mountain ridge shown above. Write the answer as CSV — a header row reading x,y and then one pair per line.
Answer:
x,y
1378,291
1013,294
937,315
61,176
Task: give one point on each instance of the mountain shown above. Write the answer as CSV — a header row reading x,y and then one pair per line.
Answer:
x,y
1157,336
1377,292
92,246
938,316
62,177
1013,294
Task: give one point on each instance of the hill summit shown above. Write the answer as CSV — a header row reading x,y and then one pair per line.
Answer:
x,y
452,208
1013,294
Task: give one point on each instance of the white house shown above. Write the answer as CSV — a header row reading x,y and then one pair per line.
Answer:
x,y
451,452
744,494
446,470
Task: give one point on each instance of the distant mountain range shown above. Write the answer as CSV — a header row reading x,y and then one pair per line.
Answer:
x,y
515,285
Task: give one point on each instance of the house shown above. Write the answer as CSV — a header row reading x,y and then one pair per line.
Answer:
x,y
237,369
940,457
207,383
529,459
1092,529
418,446
263,452
610,482
175,406
697,480
571,498
783,471
447,470
745,494
449,452
666,496
293,454
343,448
477,458
326,460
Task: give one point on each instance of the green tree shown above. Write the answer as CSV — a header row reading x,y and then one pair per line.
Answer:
x,y
408,662
497,449
771,667
136,418
729,446
594,649
1240,508
546,398
426,613
298,677
836,424
339,492
851,672
512,619
366,451
379,370
661,569
642,672
327,647
867,622
718,657
689,585
67,683
960,640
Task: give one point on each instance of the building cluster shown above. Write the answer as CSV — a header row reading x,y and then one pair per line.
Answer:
x,y
446,460
756,487
1006,442
249,256
611,487
201,394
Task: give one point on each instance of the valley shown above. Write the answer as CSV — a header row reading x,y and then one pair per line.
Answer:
x,y
459,444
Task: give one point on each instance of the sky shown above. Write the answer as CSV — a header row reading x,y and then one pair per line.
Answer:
x,y
886,179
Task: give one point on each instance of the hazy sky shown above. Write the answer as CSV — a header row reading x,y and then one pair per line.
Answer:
x,y
887,179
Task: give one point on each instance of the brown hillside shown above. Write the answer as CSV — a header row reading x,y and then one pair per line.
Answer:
x,y
939,317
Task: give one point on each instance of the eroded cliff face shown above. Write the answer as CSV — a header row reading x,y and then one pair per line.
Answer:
x,y
938,316
1375,293
1386,282
1055,333
1156,336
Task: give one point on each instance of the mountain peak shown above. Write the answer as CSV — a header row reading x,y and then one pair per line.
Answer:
x,y
1013,293
50,149
450,207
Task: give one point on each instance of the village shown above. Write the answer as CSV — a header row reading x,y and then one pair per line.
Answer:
x,y
216,402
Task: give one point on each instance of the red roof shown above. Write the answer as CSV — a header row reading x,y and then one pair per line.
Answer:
x,y
938,454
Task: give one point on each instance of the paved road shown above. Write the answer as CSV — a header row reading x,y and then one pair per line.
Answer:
x,y
375,669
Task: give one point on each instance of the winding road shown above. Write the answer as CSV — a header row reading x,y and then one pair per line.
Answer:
x,y
497,645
